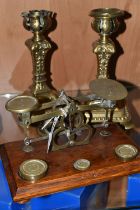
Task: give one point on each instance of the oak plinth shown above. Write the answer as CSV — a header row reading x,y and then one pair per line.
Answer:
x,y
61,175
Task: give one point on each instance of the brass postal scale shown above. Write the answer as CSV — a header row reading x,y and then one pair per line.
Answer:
x,y
80,140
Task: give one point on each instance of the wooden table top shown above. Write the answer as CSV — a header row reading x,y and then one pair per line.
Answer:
x,y
61,175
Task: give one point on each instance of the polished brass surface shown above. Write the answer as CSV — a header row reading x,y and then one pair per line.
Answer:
x,y
81,164
120,116
108,89
21,104
38,21
105,23
33,169
126,152
106,13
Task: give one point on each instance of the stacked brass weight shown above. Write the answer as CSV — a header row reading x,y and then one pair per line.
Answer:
x,y
105,23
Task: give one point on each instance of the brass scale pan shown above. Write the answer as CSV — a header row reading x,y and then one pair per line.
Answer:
x,y
108,89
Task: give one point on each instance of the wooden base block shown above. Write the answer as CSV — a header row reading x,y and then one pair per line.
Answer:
x,y
61,175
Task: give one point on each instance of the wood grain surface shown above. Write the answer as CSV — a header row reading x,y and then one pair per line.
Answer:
x,y
61,174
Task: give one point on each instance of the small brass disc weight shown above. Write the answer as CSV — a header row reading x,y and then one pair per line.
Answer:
x,y
126,152
21,104
33,169
108,89
81,164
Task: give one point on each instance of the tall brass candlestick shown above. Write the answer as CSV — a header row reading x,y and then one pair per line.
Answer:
x,y
105,23
38,21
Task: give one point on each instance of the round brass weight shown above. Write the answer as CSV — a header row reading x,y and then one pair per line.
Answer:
x,y
33,169
81,164
126,152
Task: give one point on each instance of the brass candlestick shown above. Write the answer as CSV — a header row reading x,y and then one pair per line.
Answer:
x,y
38,21
105,23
